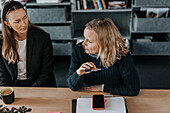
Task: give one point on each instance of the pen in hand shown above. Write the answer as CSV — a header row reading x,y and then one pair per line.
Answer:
x,y
96,69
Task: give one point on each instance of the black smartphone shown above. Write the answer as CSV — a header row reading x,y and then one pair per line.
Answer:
x,y
98,102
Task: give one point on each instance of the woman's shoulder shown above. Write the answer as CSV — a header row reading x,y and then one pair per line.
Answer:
x,y
38,31
126,58
78,49
128,54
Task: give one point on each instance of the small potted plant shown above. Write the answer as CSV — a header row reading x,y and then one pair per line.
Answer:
x,y
22,109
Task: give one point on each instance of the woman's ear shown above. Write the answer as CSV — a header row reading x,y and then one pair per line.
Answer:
x,y
6,23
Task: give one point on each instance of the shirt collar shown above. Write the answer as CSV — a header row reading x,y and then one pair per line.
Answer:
x,y
93,55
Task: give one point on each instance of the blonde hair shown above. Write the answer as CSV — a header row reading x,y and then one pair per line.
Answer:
x,y
111,43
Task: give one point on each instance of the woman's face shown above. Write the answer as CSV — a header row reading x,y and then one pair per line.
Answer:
x,y
90,43
18,20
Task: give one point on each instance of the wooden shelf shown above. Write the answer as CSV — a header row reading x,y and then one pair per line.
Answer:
x,y
134,6
101,11
54,22
150,31
150,54
33,3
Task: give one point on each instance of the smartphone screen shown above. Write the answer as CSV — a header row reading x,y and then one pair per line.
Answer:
x,y
98,101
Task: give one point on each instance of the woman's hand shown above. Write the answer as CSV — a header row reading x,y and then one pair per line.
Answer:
x,y
85,66
93,88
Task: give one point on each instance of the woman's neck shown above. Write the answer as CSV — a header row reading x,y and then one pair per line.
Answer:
x,y
20,37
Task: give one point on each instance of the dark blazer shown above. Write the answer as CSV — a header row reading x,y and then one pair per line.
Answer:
x,y
39,62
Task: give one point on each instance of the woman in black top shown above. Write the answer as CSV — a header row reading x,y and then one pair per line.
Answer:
x,y
103,62
26,55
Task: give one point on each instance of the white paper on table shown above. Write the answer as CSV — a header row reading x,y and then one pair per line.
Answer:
x,y
112,105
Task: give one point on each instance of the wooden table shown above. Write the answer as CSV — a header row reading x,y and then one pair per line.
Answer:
x,y
42,100
149,101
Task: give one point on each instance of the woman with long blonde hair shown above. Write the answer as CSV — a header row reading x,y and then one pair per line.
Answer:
x,y
26,55
103,62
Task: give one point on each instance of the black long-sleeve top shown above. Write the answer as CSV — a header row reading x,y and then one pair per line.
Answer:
x,y
119,79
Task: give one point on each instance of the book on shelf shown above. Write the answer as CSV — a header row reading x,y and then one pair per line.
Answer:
x,y
91,4
156,12
78,4
94,4
99,4
81,4
117,4
103,3
85,4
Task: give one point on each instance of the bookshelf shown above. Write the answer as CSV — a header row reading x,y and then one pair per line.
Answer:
x,y
120,16
33,3
101,11
157,29
130,25
65,32
151,3
54,18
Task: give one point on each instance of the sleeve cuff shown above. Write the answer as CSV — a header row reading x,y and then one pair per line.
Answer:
x,y
110,89
76,78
